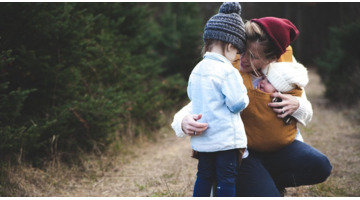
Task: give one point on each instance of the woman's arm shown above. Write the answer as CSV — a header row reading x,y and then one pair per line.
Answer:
x,y
298,107
305,112
185,123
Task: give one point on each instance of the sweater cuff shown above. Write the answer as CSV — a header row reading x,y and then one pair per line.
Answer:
x,y
299,113
178,117
177,128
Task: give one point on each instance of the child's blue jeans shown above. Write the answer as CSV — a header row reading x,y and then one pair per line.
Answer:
x,y
221,166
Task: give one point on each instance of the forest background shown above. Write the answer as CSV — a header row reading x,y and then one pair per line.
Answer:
x,y
80,78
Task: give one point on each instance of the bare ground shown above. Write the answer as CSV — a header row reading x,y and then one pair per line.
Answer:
x,y
164,167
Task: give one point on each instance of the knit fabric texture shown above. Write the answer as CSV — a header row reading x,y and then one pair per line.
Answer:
x,y
286,76
227,26
264,130
281,32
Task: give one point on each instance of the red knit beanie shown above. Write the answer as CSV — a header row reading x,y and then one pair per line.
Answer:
x,y
281,32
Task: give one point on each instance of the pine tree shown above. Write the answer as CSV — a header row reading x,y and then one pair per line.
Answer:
x,y
79,72
340,64
181,39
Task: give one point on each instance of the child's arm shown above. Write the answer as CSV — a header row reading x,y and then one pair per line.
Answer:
x,y
235,92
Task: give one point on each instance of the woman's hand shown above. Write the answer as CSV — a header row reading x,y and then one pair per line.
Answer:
x,y
289,104
191,127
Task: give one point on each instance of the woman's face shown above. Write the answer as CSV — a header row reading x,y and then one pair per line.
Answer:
x,y
254,54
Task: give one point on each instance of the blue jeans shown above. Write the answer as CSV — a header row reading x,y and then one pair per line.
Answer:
x,y
221,166
262,174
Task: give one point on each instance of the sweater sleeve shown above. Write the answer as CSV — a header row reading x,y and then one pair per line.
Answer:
x,y
305,112
178,117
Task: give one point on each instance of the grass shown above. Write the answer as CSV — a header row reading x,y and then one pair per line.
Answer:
x,y
335,133
328,189
161,166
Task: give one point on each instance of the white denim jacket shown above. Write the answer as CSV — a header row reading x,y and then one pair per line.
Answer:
x,y
211,89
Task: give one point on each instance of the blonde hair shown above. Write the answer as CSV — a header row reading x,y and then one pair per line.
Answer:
x,y
254,33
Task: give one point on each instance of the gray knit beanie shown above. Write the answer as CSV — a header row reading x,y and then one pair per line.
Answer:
x,y
227,26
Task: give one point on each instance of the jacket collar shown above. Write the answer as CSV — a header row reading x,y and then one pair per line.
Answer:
x,y
217,57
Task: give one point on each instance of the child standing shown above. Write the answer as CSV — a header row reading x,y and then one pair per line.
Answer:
x,y
211,89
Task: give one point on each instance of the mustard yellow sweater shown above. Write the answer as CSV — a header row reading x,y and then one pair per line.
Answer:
x,y
265,131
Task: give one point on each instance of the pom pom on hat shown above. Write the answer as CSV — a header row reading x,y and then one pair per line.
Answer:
x,y
281,32
285,76
227,26
230,7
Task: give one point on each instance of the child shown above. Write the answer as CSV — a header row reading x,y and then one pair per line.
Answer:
x,y
211,89
297,76
284,77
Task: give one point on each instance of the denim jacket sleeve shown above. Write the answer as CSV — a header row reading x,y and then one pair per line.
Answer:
x,y
235,92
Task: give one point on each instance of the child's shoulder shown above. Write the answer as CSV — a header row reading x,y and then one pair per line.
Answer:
x,y
215,66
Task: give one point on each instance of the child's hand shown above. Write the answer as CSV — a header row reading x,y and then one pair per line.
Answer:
x,y
191,127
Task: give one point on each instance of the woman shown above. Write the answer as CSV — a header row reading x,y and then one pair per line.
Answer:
x,y
269,173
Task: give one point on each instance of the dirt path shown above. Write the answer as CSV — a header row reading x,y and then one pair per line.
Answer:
x,y
333,133
161,168
165,168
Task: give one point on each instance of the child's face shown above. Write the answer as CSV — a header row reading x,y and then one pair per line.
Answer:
x,y
265,86
231,52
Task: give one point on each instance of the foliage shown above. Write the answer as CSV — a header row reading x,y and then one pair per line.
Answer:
x,y
180,37
11,104
74,74
339,65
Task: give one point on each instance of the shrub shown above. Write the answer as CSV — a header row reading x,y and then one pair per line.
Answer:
x,y
74,73
181,37
339,66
